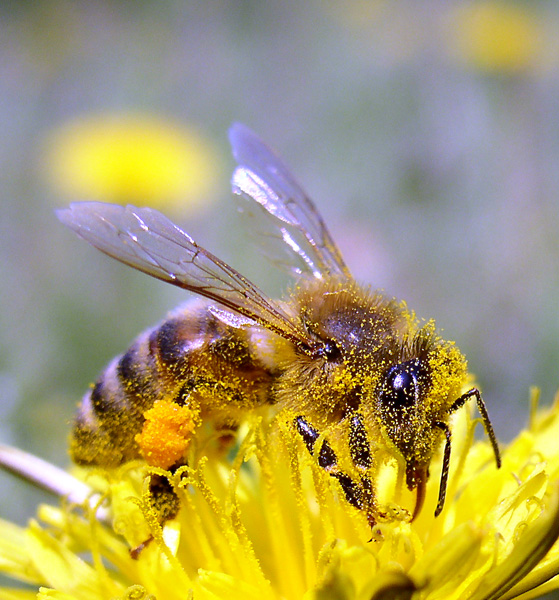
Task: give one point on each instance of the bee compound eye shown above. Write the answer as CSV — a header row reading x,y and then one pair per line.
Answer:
x,y
400,387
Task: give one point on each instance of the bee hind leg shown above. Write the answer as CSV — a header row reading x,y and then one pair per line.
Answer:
x,y
163,498
163,503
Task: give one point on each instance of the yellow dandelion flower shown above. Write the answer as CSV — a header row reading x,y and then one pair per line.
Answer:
x,y
270,524
131,158
496,36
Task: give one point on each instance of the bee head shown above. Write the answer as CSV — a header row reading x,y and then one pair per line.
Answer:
x,y
401,394
414,395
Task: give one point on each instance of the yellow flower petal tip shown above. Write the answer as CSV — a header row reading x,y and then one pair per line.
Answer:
x,y
266,522
141,159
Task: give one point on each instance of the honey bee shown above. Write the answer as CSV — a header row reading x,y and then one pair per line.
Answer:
x,y
351,371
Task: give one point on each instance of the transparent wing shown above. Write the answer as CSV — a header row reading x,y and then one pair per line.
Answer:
x,y
290,216
145,239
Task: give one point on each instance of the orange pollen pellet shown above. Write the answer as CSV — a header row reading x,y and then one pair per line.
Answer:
x,y
166,434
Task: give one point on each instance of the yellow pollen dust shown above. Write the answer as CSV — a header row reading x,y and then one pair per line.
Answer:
x,y
167,432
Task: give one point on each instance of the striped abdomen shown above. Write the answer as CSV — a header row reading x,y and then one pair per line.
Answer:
x,y
190,357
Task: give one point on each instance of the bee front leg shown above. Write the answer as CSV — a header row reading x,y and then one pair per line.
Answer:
x,y
360,495
475,393
327,458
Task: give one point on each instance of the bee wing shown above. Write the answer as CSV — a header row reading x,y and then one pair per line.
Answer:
x,y
292,217
145,239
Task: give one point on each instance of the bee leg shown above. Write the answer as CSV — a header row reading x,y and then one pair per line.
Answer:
x,y
359,447
446,464
327,458
474,392
359,496
135,552
360,452
163,501
352,491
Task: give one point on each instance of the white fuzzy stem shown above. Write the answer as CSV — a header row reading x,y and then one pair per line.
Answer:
x,y
51,478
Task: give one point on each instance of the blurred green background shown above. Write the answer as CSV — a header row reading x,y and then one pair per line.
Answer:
x,y
427,133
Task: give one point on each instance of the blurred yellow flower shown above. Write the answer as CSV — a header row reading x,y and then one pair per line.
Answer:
x,y
496,35
134,158
270,524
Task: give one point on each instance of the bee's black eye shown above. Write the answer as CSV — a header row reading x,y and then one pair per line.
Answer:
x,y
400,386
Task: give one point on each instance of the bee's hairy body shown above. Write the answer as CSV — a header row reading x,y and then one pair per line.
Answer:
x,y
191,357
351,371
195,358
